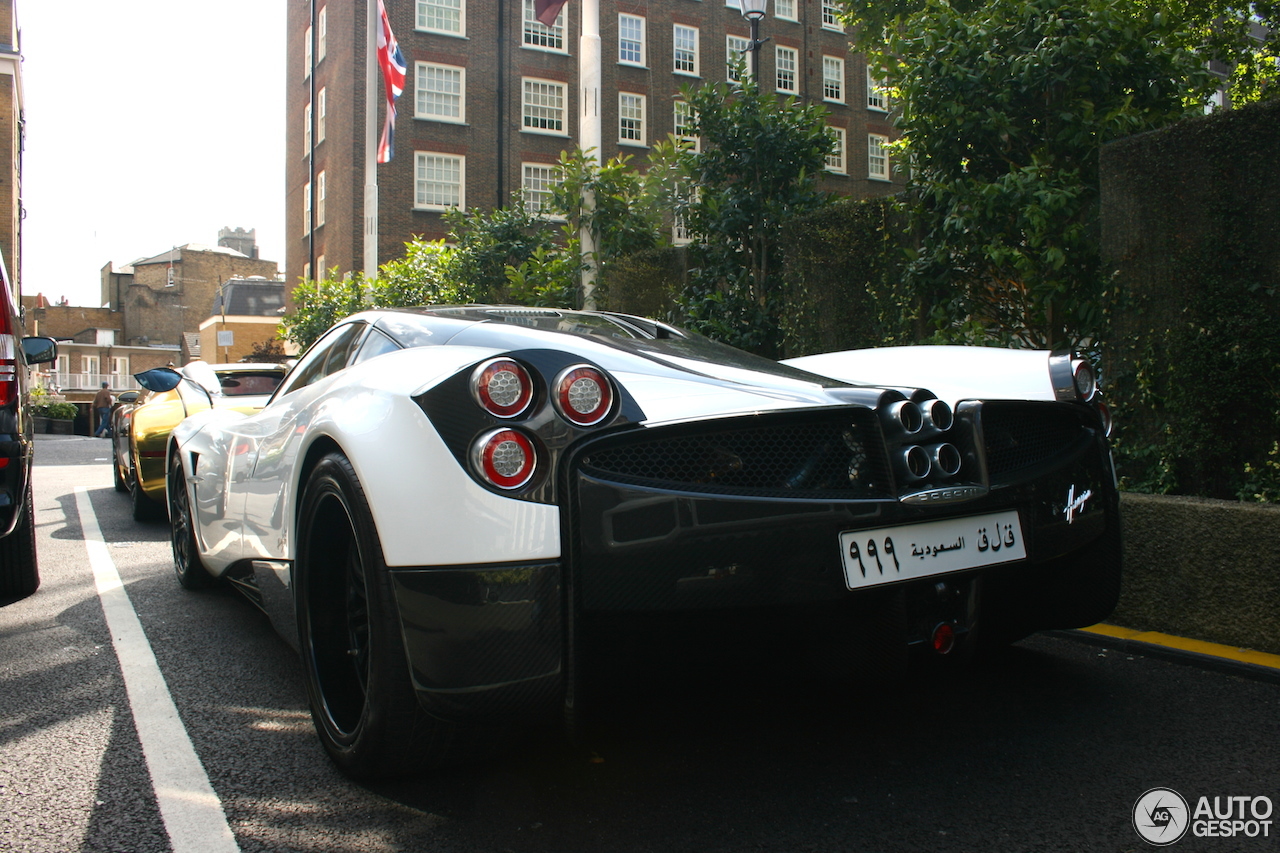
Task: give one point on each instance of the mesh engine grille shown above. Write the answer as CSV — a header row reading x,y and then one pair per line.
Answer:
x,y
829,458
1021,436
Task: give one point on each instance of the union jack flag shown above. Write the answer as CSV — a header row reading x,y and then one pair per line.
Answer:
x,y
394,69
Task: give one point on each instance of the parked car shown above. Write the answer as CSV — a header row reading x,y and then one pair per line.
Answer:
x,y
19,566
140,425
439,504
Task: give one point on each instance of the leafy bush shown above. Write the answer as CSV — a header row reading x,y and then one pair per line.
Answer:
x,y
57,411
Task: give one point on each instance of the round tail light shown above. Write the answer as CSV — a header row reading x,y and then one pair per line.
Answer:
x,y
502,387
583,395
505,458
943,639
1086,380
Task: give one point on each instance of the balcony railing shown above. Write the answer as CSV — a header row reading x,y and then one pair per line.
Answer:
x,y
90,381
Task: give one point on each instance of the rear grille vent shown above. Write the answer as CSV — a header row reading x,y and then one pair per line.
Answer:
x,y
1020,436
828,458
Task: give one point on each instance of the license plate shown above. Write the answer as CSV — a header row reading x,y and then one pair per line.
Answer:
x,y
908,551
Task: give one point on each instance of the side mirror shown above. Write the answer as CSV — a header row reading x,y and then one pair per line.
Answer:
x,y
39,350
128,397
159,379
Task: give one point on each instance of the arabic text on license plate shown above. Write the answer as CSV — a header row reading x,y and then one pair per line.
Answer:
x,y
889,554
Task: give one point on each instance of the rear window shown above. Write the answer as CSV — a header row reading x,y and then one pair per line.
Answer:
x,y
244,383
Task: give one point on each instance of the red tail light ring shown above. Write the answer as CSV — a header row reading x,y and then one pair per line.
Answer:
x,y
505,458
502,387
583,395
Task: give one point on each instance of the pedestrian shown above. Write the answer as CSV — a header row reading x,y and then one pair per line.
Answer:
x,y
102,404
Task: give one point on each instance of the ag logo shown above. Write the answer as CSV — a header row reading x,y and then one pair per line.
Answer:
x,y
1161,816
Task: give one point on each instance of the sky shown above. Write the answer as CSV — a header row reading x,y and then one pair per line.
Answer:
x,y
149,124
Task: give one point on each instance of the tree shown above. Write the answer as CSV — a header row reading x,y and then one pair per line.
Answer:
x,y
1004,106
755,167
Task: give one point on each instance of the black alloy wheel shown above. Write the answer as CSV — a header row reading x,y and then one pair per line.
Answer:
x,y
357,674
186,557
116,477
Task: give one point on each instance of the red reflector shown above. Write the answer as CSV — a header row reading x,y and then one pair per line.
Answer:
x,y
4,461
583,395
502,387
505,457
944,638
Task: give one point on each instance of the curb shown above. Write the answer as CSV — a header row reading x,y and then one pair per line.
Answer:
x,y
1246,663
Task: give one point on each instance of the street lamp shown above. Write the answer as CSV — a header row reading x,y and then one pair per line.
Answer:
x,y
753,11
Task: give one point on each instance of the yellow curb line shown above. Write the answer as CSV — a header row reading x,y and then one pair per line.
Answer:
x,y
1217,650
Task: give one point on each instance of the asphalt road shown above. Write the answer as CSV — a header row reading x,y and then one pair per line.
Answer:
x,y
1046,748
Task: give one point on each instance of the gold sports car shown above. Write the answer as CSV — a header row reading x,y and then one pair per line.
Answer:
x,y
140,425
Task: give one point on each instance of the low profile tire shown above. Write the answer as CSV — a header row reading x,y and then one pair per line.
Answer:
x,y
356,671
144,509
116,477
186,557
19,570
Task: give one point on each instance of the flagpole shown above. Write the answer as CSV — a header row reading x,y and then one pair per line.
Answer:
x,y
589,133
371,74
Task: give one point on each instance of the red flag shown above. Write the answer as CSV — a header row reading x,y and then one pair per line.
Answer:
x,y
547,11
394,70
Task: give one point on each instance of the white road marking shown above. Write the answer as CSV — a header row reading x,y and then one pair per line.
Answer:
x,y
191,810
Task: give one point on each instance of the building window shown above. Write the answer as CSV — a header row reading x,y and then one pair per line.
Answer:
x,y
831,15
438,181
835,159
306,55
683,124
787,59
322,32
320,199
321,99
630,119
784,9
877,157
631,40
442,16
321,270
544,106
306,208
537,34
119,367
833,79
306,131
735,57
684,49
441,93
539,182
877,97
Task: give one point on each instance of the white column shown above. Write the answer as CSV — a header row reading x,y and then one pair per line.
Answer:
x,y
589,134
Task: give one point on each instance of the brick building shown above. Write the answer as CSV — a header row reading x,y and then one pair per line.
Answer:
x,y
11,145
492,99
245,313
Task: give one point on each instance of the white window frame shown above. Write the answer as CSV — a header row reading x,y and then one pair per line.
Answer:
x,y
786,60
785,9
306,131
526,105
837,160
831,16
445,9
681,110
120,366
322,33
306,55
877,97
306,208
735,48
641,45
321,182
833,78
321,108
877,157
535,35
685,55
536,180
423,89
460,165
639,122
90,364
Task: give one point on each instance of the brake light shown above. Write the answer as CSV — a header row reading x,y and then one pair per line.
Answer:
x,y
502,387
8,366
583,396
505,458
